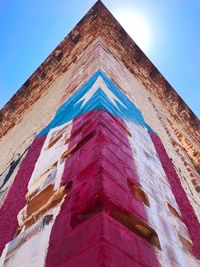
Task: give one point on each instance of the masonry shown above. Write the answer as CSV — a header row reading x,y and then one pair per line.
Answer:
x,y
100,162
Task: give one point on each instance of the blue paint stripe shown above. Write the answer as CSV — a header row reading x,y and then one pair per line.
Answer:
x,y
73,108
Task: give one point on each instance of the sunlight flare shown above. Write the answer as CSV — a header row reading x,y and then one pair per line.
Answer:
x,y
137,26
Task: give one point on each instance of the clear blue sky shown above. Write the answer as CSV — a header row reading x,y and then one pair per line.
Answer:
x,y
30,30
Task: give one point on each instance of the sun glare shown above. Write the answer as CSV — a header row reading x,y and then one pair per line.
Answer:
x,y
137,26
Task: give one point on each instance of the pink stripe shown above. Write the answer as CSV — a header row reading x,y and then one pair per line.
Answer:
x,y
15,199
85,232
188,214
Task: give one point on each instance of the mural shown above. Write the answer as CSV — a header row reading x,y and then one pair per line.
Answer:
x,y
95,187
7,176
191,164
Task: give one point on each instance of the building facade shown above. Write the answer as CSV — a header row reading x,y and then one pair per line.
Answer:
x,y
100,159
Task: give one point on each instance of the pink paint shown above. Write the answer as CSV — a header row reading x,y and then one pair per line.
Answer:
x,y
84,232
15,199
188,214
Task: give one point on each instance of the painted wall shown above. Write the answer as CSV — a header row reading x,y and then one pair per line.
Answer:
x,y
97,186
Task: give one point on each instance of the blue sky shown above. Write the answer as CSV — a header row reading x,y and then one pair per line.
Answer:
x,y
30,30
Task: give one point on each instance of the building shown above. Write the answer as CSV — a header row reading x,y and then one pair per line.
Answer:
x,y
99,162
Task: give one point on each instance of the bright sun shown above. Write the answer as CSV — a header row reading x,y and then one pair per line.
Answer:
x,y
136,26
